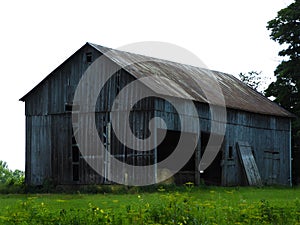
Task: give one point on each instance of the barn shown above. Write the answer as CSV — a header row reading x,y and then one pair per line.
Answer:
x,y
255,147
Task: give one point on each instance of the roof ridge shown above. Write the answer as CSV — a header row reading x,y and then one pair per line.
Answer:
x,y
147,56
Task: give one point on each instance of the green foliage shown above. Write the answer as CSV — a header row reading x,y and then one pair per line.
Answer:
x,y
10,181
4,172
187,206
10,177
253,79
285,29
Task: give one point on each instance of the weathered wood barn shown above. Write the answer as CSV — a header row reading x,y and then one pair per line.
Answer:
x,y
256,144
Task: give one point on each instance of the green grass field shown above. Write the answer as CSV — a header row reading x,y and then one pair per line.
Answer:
x,y
186,205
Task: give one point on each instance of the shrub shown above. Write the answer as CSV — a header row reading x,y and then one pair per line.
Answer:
x,y
11,181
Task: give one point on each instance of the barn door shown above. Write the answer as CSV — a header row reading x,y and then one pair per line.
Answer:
x,y
272,166
248,163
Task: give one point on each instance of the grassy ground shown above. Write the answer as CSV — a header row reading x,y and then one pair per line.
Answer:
x,y
186,205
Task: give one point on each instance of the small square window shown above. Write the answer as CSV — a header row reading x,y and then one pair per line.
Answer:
x,y
89,57
68,107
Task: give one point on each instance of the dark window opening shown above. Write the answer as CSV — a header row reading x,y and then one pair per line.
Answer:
x,y
118,83
253,153
89,57
230,152
104,135
75,172
73,140
68,107
75,154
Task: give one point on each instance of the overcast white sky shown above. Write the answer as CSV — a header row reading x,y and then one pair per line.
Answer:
x,y
37,36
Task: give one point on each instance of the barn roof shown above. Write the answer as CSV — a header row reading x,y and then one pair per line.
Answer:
x,y
196,82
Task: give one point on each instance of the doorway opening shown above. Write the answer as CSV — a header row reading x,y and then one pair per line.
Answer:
x,y
213,173
168,145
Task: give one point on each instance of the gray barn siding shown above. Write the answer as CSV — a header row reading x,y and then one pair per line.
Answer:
x,y
263,136
264,133
37,105
61,150
50,98
51,102
39,157
48,126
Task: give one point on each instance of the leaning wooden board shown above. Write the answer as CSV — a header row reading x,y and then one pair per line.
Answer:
x,y
249,164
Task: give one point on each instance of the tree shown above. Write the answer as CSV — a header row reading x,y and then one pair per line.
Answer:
x,y
285,29
253,79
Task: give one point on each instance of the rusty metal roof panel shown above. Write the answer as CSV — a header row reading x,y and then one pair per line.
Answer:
x,y
195,82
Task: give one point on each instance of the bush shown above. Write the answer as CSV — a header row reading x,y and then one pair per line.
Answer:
x,y
11,181
10,177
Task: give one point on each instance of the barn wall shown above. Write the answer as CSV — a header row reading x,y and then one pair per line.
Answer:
x,y
139,119
270,140
38,154
269,137
37,104
49,100
48,125
61,148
